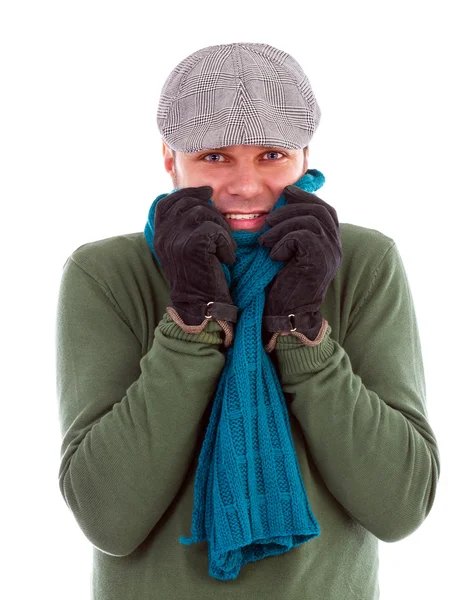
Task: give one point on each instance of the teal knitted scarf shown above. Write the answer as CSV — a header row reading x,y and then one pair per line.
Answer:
x,y
249,497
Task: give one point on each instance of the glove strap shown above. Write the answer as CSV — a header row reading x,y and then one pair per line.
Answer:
x,y
306,341
225,325
291,322
212,310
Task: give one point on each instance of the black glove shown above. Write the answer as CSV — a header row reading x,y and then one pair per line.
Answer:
x,y
191,240
304,234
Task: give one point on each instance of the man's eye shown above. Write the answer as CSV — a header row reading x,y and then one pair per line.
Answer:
x,y
212,154
218,154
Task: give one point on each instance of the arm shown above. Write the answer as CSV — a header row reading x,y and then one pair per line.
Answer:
x,y
362,408
130,423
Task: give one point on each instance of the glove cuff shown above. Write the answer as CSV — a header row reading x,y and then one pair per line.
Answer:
x,y
313,340
292,322
225,325
195,314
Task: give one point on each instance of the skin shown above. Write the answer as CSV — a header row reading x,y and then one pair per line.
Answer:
x,y
244,178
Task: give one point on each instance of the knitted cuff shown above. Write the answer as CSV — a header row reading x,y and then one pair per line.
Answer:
x,y
226,325
303,338
292,358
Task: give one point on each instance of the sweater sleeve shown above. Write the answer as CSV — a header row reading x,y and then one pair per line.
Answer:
x,y
129,423
362,408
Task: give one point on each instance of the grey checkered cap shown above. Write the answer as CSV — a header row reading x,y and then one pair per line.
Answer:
x,y
240,93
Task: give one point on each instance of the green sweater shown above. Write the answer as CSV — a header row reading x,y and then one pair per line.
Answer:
x,y
134,398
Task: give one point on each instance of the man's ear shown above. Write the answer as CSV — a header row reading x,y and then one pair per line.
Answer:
x,y
169,160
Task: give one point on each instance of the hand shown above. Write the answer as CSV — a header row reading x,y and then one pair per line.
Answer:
x,y
191,240
304,234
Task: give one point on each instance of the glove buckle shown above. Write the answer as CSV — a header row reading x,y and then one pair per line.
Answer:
x,y
292,321
208,316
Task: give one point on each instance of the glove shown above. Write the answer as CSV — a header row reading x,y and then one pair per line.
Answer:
x,y
191,240
305,234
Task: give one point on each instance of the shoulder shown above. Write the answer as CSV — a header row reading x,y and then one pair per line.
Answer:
x,y
369,257
364,249
125,269
110,259
355,237
111,247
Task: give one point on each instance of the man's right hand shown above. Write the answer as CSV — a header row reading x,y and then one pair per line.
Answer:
x,y
191,240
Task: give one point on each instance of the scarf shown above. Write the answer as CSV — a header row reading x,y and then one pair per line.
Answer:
x,y
249,497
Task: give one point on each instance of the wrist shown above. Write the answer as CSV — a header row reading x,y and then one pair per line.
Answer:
x,y
226,326
306,337
196,313
307,322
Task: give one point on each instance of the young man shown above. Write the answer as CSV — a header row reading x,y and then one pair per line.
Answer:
x,y
171,410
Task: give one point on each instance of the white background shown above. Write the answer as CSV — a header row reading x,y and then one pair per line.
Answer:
x,y
81,160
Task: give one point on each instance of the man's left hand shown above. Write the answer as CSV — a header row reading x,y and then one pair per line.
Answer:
x,y
305,235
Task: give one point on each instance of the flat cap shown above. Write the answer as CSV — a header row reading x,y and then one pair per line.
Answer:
x,y
239,93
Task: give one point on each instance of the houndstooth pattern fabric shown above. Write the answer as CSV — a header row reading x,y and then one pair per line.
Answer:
x,y
239,93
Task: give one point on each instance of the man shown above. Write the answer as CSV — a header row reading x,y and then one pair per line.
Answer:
x,y
169,406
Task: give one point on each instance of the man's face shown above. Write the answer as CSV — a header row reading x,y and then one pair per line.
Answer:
x,y
245,179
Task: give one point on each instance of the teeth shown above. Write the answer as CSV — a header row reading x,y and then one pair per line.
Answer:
x,y
231,216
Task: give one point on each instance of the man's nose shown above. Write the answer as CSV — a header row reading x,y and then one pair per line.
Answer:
x,y
244,181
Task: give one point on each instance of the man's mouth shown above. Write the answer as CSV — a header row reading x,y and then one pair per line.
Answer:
x,y
238,216
246,221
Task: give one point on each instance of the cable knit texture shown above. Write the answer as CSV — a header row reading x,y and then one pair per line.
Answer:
x,y
249,497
